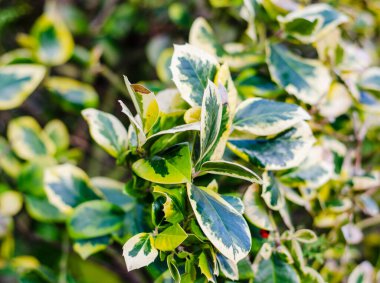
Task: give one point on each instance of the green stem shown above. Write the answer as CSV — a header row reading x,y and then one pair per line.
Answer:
x,y
64,259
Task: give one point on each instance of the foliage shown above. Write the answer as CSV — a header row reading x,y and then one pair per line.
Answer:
x,y
254,157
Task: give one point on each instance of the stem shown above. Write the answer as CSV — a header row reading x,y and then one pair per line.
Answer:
x,y
64,259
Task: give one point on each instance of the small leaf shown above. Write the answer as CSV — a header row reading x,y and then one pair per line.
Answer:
x,y
10,203
307,79
283,151
72,95
87,247
173,166
67,186
228,267
28,140
58,134
170,238
214,216
364,272
135,123
231,169
41,210
173,207
17,82
8,160
191,69
94,219
305,236
271,192
107,131
139,251
255,210
54,43
206,267
264,117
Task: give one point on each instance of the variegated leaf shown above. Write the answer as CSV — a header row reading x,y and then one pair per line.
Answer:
x,y
206,267
174,204
231,169
8,160
136,123
172,166
305,236
54,43
271,192
234,201
42,210
170,238
67,186
17,82
264,117
286,150
337,102
94,219
310,275
307,79
215,216
370,80
139,251
228,267
255,210
87,247
58,134
191,69
145,103
28,140
364,272
311,23
107,131
72,95
113,192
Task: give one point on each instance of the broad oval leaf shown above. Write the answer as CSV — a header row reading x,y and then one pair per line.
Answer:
x,y
362,273
271,192
173,166
234,201
54,43
337,102
286,150
312,23
232,169
275,270
107,131
139,251
67,186
58,134
191,69
42,210
170,238
9,163
307,79
28,140
255,210
228,267
263,117
222,224
17,82
93,219
305,236
71,94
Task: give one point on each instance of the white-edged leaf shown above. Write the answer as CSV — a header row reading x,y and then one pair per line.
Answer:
x,y
228,267
87,247
17,82
263,117
307,79
191,69
215,217
139,251
275,270
305,236
362,273
271,192
107,131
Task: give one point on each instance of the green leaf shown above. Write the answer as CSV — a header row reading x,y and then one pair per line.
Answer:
x,y
58,134
275,270
145,103
107,131
87,247
231,169
307,79
170,238
310,275
41,210
28,140
54,43
174,204
228,267
206,267
67,186
312,22
305,236
17,82
8,160
255,210
93,219
215,217
172,166
264,117
139,251
113,192
191,69
72,95
271,192
286,150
